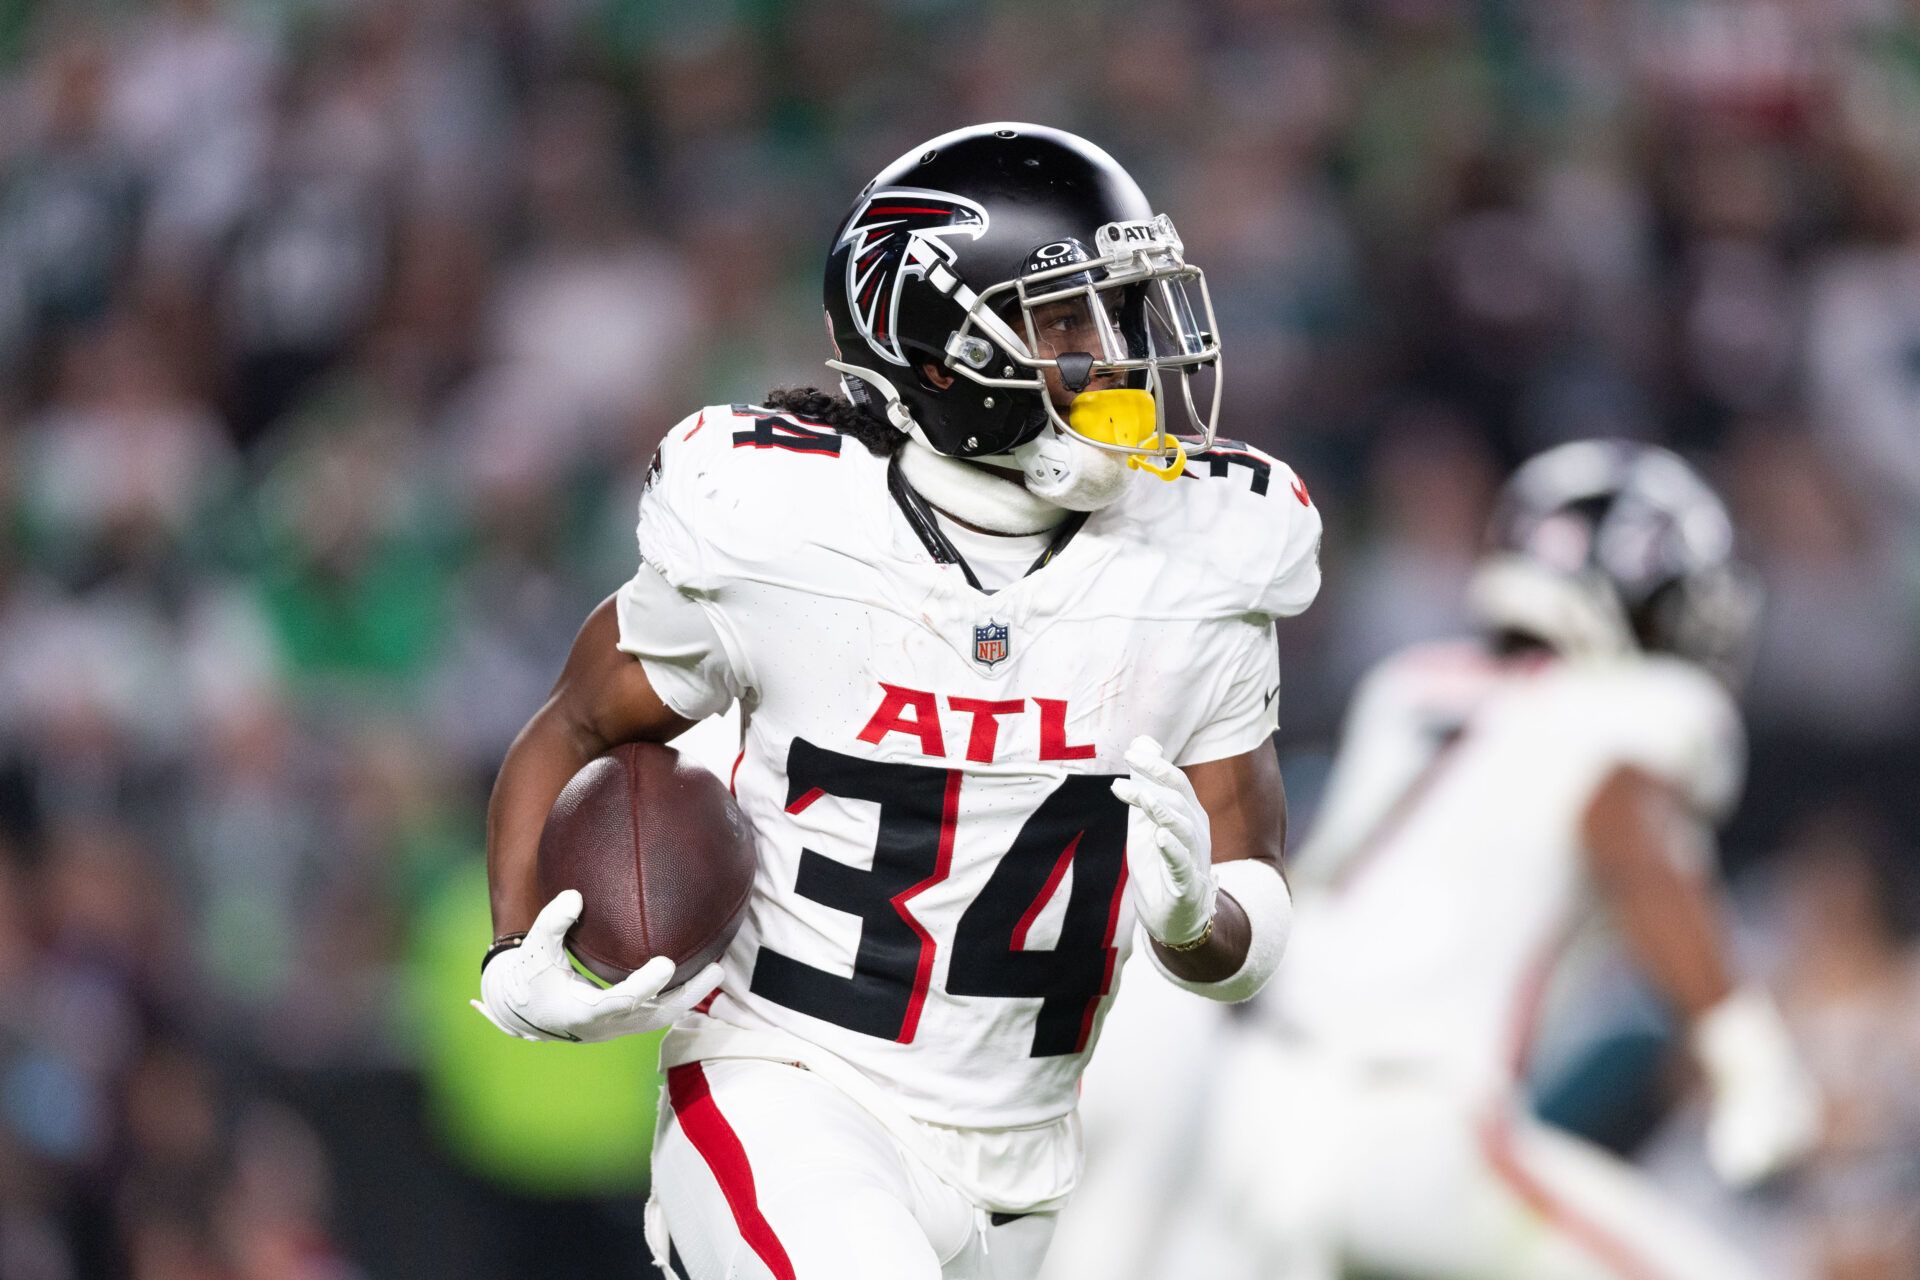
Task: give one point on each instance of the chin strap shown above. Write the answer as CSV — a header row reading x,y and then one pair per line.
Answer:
x,y
975,494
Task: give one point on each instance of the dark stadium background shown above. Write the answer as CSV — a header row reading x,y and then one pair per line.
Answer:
x,y
335,336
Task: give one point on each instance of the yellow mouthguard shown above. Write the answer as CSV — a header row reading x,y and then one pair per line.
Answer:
x,y
1125,416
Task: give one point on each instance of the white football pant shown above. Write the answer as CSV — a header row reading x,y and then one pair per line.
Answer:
x,y
764,1171
1314,1164
1143,1105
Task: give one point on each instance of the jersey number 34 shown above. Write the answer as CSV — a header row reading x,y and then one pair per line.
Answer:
x,y
1080,825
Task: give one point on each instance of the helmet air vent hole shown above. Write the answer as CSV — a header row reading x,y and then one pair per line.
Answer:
x,y
1005,133
927,157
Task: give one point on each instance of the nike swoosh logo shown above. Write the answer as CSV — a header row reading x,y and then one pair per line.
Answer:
x,y
551,1035
1271,695
1300,492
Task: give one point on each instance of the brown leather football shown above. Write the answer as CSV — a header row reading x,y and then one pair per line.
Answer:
x,y
662,856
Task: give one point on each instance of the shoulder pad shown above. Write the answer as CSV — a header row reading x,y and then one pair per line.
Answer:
x,y
1667,717
724,480
1238,532
1452,671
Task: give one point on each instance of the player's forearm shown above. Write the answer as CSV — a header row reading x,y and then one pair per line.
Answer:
x,y
1221,955
601,700
1648,855
548,752
1672,925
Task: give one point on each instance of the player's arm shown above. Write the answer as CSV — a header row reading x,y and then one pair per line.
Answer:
x,y
602,699
527,987
1203,850
1648,853
1645,850
1204,839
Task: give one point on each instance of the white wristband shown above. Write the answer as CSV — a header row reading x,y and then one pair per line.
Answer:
x,y
1741,1037
1264,900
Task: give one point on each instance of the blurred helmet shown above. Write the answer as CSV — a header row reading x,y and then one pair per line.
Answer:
x,y
1606,547
994,254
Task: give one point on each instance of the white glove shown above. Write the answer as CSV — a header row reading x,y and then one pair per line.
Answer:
x,y
1169,847
532,992
1764,1112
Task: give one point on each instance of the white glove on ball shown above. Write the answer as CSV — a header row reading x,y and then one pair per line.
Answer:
x,y
1764,1111
532,992
1169,847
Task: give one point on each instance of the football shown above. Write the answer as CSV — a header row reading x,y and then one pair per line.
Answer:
x,y
662,856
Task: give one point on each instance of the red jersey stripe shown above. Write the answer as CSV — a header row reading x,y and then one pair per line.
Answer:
x,y
1046,893
943,863
1106,974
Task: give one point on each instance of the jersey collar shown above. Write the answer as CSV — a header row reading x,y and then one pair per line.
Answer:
x,y
920,518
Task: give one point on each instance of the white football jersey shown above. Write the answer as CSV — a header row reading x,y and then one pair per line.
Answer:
x,y
1447,871
941,894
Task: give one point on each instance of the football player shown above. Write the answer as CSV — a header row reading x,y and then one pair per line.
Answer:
x,y
1003,649
1491,799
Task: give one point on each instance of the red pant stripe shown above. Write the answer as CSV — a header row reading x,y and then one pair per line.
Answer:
x,y
1496,1141
719,1146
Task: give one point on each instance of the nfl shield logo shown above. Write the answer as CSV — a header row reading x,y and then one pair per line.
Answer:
x,y
990,643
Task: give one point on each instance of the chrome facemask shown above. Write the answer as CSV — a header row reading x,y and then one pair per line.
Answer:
x,y
1139,266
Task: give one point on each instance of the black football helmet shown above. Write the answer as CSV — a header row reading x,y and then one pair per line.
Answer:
x,y
944,259
1606,547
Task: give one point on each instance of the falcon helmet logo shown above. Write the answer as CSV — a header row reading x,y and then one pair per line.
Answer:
x,y
990,643
896,233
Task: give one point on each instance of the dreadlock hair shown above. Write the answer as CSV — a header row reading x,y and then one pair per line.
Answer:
x,y
838,412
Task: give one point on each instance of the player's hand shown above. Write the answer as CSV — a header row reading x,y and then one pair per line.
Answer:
x,y
532,992
1169,847
1764,1113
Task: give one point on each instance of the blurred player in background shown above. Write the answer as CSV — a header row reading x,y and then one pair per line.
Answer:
x,y
1002,698
1490,800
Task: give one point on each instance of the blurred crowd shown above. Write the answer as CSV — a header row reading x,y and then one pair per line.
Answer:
x,y
335,336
